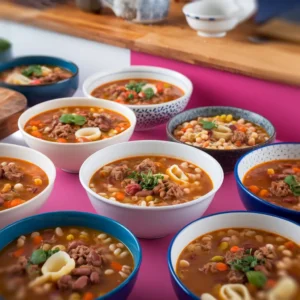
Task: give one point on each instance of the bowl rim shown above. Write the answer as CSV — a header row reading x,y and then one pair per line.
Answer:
x,y
170,266
165,71
260,200
49,186
250,148
15,59
88,215
150,208
70,99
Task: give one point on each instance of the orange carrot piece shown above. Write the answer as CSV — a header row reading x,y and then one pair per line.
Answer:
x,y
16,202
254,189
221,266
120,196
61,140
37,240
296,170
234,249
160,87
88,296
238,143
270,283
290,245
242,128
118,129
186,128
263,193
35,122
116,266
18,252
36,134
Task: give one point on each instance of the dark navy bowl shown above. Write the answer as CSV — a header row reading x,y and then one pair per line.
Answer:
x,y
39,93
258,156
226,158
72,218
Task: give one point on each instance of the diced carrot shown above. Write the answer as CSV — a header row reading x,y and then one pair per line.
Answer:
x,y
16,202
160,87
36,133
116,266
241,128
120,196
296,170
186,128
35,122
254,189
238,143
61,140
221,266
118,129
119,100
234,249
6,204
88,296
290,245
263,193
37,240
18,252
270,283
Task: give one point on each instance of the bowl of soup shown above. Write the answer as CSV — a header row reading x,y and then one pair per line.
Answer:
x,y
152,187
69,130
154,94
40,78
26,181
236,255
68,255
268,180
224,132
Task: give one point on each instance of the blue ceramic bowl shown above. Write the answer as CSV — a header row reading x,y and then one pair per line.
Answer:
x,y
220,221
258,156
39,93
72,218
226,158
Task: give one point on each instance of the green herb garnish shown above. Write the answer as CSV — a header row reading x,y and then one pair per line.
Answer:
x,y
293,184
245,264
39,256
135,86
34,70
72,119
208,125
146,181
256,278
130,97
149,93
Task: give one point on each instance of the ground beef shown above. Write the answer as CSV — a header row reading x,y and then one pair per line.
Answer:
x,y
291,200
11,172
132,188
280,188
263,269
63,131
147,165
235,276
103,121
75,244
209,267
168,190
264,253
277,176
232,256
238,136
118,173
288,171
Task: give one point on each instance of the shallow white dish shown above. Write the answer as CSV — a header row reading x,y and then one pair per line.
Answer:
x,y
151,222
70,156
220,221
31,206
148,116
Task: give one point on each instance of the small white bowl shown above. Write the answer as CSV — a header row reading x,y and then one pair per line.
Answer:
x,y
151,222
235,219
212,18
31,206
148,116
70,156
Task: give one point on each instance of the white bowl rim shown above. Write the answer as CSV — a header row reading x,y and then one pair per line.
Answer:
x,y
233,212
150,208
70,99
47,187
206,17
167,72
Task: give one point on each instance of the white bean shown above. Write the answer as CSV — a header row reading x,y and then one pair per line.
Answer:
x,y
19,187
287,253
117,252
184,263
20,243
124,254
102,236
143,203
34,234
112,247
187,190
123,275
120,245
109,272
108,240
58,231
46,247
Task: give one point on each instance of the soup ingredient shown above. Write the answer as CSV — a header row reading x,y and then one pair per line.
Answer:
x,y
76,124
33,70
256,278
138,92
234,291
277,182
40,256
151,181
220,132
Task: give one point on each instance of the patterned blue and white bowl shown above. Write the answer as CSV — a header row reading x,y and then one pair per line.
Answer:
x,y
148,116
259,156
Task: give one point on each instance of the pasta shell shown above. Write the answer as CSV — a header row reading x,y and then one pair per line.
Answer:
x,y
285,289
91,133
222,132
177,175
234,292
17,78
207,297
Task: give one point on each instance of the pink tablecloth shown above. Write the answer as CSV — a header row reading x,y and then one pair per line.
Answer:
x,y
153,281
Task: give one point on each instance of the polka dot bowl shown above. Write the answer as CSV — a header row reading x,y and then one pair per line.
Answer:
x,y
226,158
258,156
151,115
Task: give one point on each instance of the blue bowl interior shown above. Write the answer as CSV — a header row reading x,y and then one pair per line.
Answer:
x,y
72,218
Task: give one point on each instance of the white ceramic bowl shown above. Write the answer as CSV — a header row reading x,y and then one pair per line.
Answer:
x,y
220,221
70,156
31,206
148,116
212,18
151,222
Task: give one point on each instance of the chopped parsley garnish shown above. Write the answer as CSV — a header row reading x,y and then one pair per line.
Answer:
x,y
149,93
293,184
39,256
208,125
257,278
135,86
34,70
130,97
146,181
72,119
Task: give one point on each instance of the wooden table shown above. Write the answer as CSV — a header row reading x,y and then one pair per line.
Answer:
x,y
276,61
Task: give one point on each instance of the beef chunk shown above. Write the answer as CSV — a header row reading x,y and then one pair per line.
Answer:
x,y
235,276
266,252
118,173
262,269
209,267
75,244
238,136
147,165
232,256
33,271
280,188
132,188
277,176
288,171
290,200
62,131
11,172
168,190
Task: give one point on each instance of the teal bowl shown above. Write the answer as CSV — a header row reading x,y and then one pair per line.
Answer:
x,y
72,218
39,93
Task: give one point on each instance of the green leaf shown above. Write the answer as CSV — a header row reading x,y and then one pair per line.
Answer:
x,y
72,119
38,256
135,86
130,97
256,278
208,125
293,184
146,181
35,70
149,93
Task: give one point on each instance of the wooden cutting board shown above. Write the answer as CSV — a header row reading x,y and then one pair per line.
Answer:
x,y
12,104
